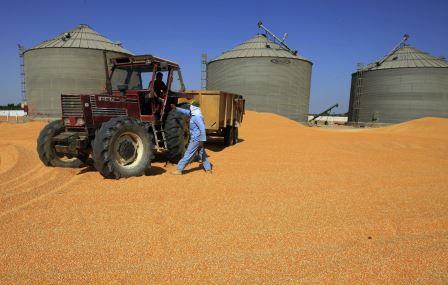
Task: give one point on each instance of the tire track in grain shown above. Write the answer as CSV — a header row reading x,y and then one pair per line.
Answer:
x,y
22,168
8,155
39,193
26,185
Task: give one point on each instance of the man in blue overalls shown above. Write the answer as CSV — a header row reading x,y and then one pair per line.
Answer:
x,y
197,139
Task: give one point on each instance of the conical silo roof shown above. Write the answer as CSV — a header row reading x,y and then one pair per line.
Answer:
x,y
82,37
407,56
258,46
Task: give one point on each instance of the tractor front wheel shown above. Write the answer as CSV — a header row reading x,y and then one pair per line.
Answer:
x,y
47,152
122,148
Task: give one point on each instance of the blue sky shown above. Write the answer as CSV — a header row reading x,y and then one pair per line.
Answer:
x,y
335,35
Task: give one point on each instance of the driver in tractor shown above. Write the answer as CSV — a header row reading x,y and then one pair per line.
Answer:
x,y
159,86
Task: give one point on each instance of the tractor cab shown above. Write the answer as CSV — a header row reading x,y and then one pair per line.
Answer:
x,y
153,82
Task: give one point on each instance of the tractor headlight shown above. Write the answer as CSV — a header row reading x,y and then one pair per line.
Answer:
x,y
80,122
66,121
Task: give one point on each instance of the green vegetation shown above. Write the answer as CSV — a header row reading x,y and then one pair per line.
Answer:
x,y
11,107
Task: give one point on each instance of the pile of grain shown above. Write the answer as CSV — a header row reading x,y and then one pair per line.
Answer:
x,y
288,204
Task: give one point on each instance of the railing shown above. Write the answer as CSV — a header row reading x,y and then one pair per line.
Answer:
x,y
12,115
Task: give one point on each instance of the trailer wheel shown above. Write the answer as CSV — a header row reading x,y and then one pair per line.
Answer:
x,y
229,136
47,152
235,135
122,148
177,135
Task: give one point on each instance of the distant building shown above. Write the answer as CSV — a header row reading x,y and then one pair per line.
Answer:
x,y
270,77
406,84
72,62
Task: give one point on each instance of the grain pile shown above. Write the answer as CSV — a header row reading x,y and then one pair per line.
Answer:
x,y
289,204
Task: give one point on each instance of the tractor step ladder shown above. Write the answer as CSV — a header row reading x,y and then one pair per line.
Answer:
x,y
159,137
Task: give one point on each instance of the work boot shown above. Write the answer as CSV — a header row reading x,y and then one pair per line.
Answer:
x,y
176,172
209,171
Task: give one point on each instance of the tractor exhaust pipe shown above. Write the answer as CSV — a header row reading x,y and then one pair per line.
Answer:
x,y
106,70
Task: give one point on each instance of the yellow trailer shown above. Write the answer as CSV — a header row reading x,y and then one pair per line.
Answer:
x,y
223,113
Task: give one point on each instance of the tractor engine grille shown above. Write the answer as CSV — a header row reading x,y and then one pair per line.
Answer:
x,y
71,105
103,111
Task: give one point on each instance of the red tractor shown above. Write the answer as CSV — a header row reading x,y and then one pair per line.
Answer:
x,y
122,128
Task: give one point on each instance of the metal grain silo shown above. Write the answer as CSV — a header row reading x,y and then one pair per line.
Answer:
x,y
269,76
72,62
406,84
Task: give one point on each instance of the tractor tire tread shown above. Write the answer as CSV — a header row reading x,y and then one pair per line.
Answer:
x,y
174,132
45,149
101,147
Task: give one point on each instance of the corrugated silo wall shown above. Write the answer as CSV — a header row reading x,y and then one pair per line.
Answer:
x,y
351,115
269,84
52,71
398,95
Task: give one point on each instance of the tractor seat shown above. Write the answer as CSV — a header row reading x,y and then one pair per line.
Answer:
x,y
145,103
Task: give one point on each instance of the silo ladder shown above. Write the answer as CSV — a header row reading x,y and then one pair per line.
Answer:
x,y
358,94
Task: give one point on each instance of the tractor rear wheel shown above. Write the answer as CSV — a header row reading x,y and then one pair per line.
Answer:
x,y
122,148
177,135
47,152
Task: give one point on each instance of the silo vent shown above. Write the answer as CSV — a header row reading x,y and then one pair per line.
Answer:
x,y
66,36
